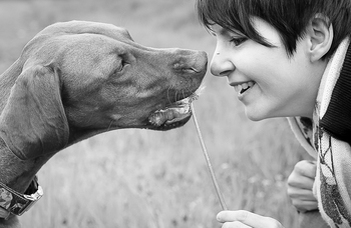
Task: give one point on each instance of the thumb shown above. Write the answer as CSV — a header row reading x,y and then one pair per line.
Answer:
x,y
248,218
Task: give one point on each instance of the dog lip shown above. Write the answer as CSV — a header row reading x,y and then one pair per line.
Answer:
x,y
192,69
167,126
174,115
171,115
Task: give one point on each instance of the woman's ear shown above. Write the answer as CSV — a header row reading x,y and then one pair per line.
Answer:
x,y
320,33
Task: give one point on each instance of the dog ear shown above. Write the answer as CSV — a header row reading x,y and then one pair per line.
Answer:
x,y
33,122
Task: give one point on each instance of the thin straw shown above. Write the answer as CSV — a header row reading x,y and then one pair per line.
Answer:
x,y
208,161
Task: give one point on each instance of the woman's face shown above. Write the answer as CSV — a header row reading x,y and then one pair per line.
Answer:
x,y
267,81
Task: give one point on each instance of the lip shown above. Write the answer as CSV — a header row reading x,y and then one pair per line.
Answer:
x,y
238,83
241,86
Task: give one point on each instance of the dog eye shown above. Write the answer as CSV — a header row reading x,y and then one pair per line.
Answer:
x,y
120,67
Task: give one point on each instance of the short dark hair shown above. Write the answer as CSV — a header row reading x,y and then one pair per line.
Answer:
x,y
288,17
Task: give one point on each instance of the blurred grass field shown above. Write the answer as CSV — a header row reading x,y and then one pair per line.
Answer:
x,y
141,178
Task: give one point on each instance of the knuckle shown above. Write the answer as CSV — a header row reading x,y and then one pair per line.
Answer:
x,y
291,179
305,168
300,166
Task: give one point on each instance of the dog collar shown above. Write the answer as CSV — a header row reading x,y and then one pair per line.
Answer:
x,y
17,203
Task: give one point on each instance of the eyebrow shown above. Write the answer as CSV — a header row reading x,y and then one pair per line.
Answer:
x,y
227,32
224,31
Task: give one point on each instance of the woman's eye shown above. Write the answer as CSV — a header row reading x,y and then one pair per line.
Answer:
x,y
237,40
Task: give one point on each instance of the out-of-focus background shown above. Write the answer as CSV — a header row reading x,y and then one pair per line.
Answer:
x,y
141,178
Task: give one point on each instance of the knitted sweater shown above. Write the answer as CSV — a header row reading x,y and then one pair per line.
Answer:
x,y
328,138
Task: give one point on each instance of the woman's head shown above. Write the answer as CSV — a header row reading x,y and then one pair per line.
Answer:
x,y
274,53
288,17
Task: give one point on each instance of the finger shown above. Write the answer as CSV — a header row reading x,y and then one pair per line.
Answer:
x,y
295,180
235,224
306,168
248,218
302,194
304,206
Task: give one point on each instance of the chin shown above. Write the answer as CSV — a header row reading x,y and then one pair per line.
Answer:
x,y
255,119
255,116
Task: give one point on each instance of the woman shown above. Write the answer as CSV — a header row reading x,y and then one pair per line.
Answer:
x,y
290,58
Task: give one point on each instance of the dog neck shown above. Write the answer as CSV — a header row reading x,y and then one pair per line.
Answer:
x,y
7,80
15,173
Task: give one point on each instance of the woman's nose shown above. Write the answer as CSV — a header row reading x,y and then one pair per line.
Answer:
x,y
221,65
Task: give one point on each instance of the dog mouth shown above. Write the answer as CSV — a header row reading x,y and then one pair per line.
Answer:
x,y
174,115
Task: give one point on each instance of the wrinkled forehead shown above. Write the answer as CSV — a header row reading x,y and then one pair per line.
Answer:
x,y
72,48
82,57
86,44
76,41
88,53
76,38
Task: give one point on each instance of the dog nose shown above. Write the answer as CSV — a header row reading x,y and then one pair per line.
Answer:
x,y
190,61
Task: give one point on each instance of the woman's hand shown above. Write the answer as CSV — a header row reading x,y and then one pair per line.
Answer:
x,y
245,219
300,184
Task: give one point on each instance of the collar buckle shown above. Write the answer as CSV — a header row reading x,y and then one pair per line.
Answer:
x,y
17,203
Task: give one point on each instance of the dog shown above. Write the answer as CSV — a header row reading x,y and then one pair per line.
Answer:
x,y
77,79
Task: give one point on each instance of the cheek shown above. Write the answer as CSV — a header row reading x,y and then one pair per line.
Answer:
x,y
260,58
270,66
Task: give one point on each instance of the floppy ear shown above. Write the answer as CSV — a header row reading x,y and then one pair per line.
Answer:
x,y
33,122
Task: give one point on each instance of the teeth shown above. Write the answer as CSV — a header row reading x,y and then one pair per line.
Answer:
x,y
179,111
243,87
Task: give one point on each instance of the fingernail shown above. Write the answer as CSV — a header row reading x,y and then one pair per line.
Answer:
x,y
218,217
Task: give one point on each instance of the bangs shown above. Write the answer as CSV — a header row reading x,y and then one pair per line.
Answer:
x,y
219,12
288,17
232,15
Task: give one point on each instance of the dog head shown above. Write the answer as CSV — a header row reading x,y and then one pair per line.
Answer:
x,y
83,78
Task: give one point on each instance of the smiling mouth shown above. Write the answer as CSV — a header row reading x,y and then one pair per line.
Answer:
x,y
243,87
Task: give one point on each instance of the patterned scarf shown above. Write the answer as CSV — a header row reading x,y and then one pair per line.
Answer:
x,y
328,138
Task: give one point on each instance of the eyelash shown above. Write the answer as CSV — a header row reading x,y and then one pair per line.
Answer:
x,y
237,41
